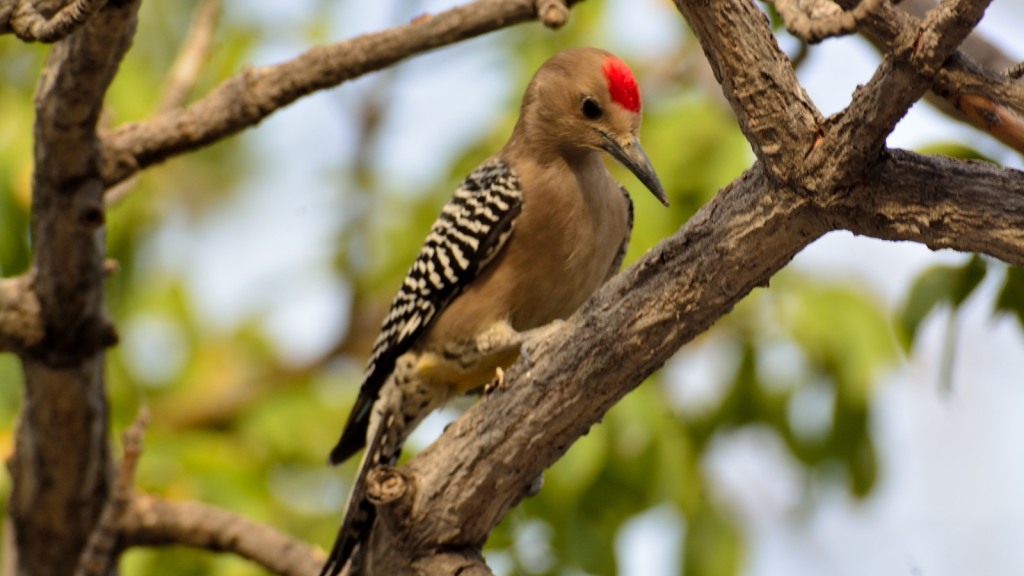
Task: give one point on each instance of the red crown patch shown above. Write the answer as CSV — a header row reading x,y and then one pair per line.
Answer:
x,y
621,83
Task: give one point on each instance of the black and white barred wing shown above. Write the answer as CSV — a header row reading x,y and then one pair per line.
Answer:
x,y
469,233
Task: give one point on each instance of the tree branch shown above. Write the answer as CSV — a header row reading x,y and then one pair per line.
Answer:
x,y
61,465
774,112
249,97
816,20
856,136
941,202
991,101
980,50
26,20
552,13
975,45
153,521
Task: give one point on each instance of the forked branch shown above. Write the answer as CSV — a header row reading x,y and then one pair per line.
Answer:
x,y
992,101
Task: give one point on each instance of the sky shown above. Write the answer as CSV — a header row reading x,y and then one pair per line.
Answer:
x,y
949,500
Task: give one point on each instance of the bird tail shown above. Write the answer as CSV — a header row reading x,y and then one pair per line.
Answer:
x,y
359,512
404,400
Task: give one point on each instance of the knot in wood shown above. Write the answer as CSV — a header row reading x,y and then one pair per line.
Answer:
x,y
385,485
92,217
553,13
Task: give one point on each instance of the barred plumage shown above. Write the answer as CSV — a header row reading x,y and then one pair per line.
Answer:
x,y
470,231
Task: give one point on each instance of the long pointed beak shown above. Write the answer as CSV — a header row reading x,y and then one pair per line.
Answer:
x,y
632,156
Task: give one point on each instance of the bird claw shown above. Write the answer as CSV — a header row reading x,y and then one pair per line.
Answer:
x,y
497,382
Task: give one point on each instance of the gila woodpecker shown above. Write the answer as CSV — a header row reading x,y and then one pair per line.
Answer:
x,y
527,237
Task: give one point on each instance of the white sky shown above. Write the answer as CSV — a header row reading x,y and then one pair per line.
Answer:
x,y
950,498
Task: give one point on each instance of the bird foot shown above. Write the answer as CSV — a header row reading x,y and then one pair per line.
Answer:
x,y
498,382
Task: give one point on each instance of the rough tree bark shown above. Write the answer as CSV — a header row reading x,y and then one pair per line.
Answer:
x,y
812,175
61,465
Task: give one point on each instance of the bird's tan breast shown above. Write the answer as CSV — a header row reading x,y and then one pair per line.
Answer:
x,y
560,251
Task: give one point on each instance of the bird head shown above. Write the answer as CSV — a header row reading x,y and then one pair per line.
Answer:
x,y
587,99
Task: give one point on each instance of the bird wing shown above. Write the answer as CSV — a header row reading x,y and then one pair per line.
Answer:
x,y
621,255
471,230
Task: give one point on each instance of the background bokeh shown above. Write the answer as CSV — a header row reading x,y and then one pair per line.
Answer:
x,y
860,416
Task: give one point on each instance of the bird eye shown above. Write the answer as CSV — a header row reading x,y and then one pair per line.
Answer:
x,y
591,109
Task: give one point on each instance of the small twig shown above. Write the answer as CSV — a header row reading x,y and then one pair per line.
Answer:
x,y
553,13
98,551
816,20
1015,72
31,26
194,52
801,54
192,55
250,96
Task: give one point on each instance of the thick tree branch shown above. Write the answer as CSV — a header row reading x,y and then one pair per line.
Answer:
x,y
855,137
153,521
61,464
67,206
247,98
941,202
29,23
774,112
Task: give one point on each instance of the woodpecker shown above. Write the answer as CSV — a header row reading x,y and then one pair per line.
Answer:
x,y
527,237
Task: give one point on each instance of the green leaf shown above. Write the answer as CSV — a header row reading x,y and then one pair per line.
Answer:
x,y
939,284
970,275
1011,297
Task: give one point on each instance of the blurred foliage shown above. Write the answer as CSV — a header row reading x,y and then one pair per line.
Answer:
x,y
236,425
949,285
